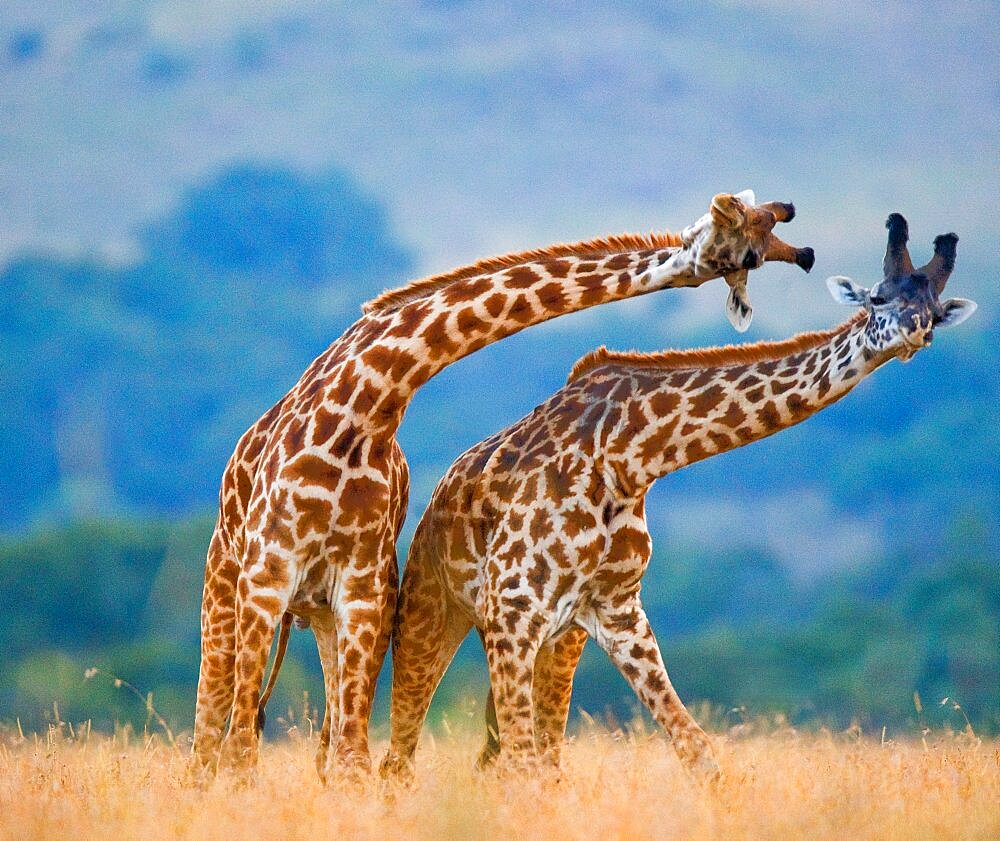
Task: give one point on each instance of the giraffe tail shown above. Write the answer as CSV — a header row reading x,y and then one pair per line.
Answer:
x,y
284,631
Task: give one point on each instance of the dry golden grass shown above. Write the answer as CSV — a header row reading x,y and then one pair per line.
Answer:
x,y
783,785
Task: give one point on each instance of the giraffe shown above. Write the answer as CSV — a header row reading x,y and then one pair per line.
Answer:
x,y
537,536
314,496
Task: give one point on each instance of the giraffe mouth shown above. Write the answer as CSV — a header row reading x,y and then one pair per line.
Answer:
x,y
910,348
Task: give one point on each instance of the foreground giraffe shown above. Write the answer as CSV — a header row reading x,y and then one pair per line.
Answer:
x,y
537,535
314,496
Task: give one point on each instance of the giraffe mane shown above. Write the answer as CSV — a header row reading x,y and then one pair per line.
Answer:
x,y
713,357
392,299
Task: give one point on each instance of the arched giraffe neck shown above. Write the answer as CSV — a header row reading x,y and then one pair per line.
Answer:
x,y
411,343
674,415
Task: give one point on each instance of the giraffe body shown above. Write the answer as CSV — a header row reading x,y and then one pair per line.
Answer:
x,y
537,536
315,494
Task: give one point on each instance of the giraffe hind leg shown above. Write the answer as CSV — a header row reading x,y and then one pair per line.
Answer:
x,y
260,603
218,646
427,635
491,748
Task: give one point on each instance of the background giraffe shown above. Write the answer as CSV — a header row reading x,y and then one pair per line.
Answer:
x,y
314,496
537,535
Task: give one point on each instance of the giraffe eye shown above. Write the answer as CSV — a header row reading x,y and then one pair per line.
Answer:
x,y
877,300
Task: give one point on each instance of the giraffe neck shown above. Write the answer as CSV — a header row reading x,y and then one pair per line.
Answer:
x,y
411,343
675,416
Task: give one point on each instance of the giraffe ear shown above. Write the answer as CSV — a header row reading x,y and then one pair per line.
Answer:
x,y
738,308
846,291
691,231
956,310
747,197
728,210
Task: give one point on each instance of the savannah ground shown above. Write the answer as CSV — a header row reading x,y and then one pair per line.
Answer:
x,y
777,785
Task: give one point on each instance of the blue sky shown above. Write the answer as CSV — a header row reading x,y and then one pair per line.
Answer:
x,y
487,129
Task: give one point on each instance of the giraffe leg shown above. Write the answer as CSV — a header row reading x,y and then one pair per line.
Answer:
x,y
551,693
491,749
218,646
553,688
429,630
259,606
511,659
325,631
628,639
364,613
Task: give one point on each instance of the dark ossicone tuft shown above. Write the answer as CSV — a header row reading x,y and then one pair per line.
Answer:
x,y
945,244
898,227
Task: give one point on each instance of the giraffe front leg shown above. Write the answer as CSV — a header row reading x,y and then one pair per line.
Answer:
x,y
625,634
511,658
553,689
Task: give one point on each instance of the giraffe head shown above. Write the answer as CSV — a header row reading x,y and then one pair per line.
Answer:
x,y
905,307
735,236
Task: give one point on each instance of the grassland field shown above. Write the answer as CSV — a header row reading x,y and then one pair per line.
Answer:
x,y
73,784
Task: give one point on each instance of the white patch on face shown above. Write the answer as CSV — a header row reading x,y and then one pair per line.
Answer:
x,y
883,333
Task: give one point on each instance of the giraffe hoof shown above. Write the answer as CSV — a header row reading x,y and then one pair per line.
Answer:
x,y
707,770
241,777
487,757
395,769
200,773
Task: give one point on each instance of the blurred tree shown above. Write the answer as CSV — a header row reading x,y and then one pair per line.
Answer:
x,y
125,388
270,221
78,587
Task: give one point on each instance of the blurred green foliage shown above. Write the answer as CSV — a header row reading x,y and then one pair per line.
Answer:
x,y
123,597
